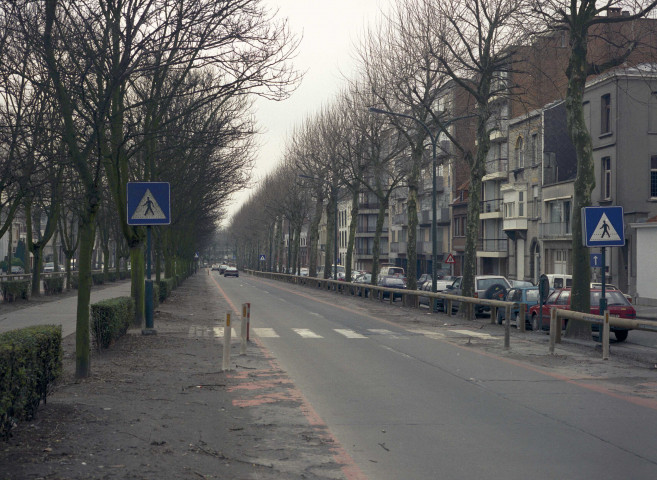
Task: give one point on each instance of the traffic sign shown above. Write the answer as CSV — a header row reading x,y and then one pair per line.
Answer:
x,y
149,203
450,259
603,226
262,258
596,260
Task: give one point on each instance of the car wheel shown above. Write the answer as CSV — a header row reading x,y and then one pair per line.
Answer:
x,y
621,335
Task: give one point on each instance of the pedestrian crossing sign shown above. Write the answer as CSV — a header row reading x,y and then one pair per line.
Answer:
x,y
603,226
148,203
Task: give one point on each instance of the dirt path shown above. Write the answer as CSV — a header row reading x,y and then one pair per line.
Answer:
x,y
160,407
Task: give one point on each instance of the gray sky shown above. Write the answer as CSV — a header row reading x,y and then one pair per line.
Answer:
x,y
330,28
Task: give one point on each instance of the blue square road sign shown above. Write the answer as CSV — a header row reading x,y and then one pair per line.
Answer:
x,y
149,203
603,226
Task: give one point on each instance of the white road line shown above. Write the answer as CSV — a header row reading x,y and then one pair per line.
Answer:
x,y
470,333
265,332
427,333
305,333
380,331
349,333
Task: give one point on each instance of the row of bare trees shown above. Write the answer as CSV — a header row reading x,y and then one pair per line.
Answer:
x,y
408,60
97,93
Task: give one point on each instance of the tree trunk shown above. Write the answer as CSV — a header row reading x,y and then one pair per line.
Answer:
x,y
352,233
411,245
584,184
87,239
376,247
314,236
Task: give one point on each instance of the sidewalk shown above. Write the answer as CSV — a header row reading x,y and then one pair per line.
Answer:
x,y
56,309
160,407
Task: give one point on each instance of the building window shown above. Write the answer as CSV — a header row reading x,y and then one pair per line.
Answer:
x,y
509,210
534,149
653,176
459,226
520,160
606,178
605,113
521,204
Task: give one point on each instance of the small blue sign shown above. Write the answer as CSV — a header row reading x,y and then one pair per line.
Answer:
x,y
603,226
149,203
262,258
596,260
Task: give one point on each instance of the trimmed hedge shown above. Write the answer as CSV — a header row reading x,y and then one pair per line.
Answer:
x,y
166,287
156,295
14,289
110,319
30,362
97,278
53,285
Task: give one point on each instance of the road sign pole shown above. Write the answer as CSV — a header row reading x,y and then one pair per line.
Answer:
x,y
148,291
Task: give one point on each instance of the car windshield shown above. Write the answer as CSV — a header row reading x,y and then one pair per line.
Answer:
x,y
614,297
484,283
532,295
393,282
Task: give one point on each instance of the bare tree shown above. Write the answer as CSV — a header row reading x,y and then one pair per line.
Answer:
x,y
399,64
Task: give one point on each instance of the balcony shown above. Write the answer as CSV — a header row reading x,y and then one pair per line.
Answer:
x,y
442,216
427,185
368,206
516,223
398,247
497,169
492,247
400,219
555,230
491,209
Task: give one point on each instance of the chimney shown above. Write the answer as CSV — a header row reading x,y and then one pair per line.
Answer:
x,y
614,12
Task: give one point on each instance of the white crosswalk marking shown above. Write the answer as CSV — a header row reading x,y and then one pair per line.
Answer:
x,y
427,333
265,332
379,331
305,333
198,331
349,333
470,333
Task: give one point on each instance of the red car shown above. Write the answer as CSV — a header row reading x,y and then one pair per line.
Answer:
x,y
617,305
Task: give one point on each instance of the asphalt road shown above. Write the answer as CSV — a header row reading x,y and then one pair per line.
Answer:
x,y
407,404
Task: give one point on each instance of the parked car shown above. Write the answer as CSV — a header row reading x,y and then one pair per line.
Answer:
x,y
222,268
527,295
609,286
48,267
17,269
363,278
442,284
521,283
304,271
389,270
231,272
491,287
559,280
617,306
391,282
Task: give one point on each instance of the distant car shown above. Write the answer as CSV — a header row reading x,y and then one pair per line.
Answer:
x,y
441,286
527,295
392,282
363,278
617,305
17,269
304,271
231,272
215,266
491,287
48,267
222,268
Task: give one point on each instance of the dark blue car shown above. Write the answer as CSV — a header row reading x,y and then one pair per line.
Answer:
x,y
527,295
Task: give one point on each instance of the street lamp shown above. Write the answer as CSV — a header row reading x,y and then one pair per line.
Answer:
x,y
334,194
434,242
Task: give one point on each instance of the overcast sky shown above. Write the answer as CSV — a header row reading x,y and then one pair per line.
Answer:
x,y
329,29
